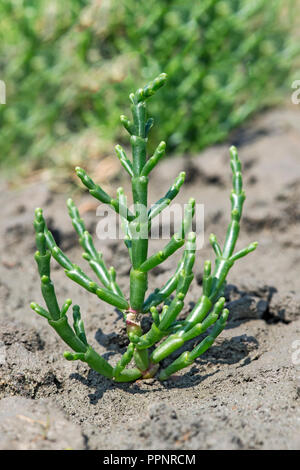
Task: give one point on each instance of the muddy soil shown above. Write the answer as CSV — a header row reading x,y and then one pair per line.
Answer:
x,y
243,393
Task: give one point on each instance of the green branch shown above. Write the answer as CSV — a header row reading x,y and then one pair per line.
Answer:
x,y
75,273
94,257
165,201
96,191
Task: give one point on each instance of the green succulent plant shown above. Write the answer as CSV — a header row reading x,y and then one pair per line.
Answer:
x,y
167,334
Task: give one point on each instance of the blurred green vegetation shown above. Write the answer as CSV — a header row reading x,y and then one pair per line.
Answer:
x,y
69,67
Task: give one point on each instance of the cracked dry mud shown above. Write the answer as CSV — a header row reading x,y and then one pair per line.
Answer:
x,y
243,393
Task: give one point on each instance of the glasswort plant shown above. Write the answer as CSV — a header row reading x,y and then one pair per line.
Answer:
x,y
167,333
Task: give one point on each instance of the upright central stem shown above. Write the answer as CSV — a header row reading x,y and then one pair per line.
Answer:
x,y
138,230
139,226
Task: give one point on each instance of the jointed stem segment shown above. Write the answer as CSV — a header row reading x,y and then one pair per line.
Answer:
x,y
208,315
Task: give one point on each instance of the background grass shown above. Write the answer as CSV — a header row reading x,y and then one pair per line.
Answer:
x,y
69,67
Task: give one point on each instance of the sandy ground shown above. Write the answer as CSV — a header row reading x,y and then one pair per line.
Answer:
x,y
243,393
